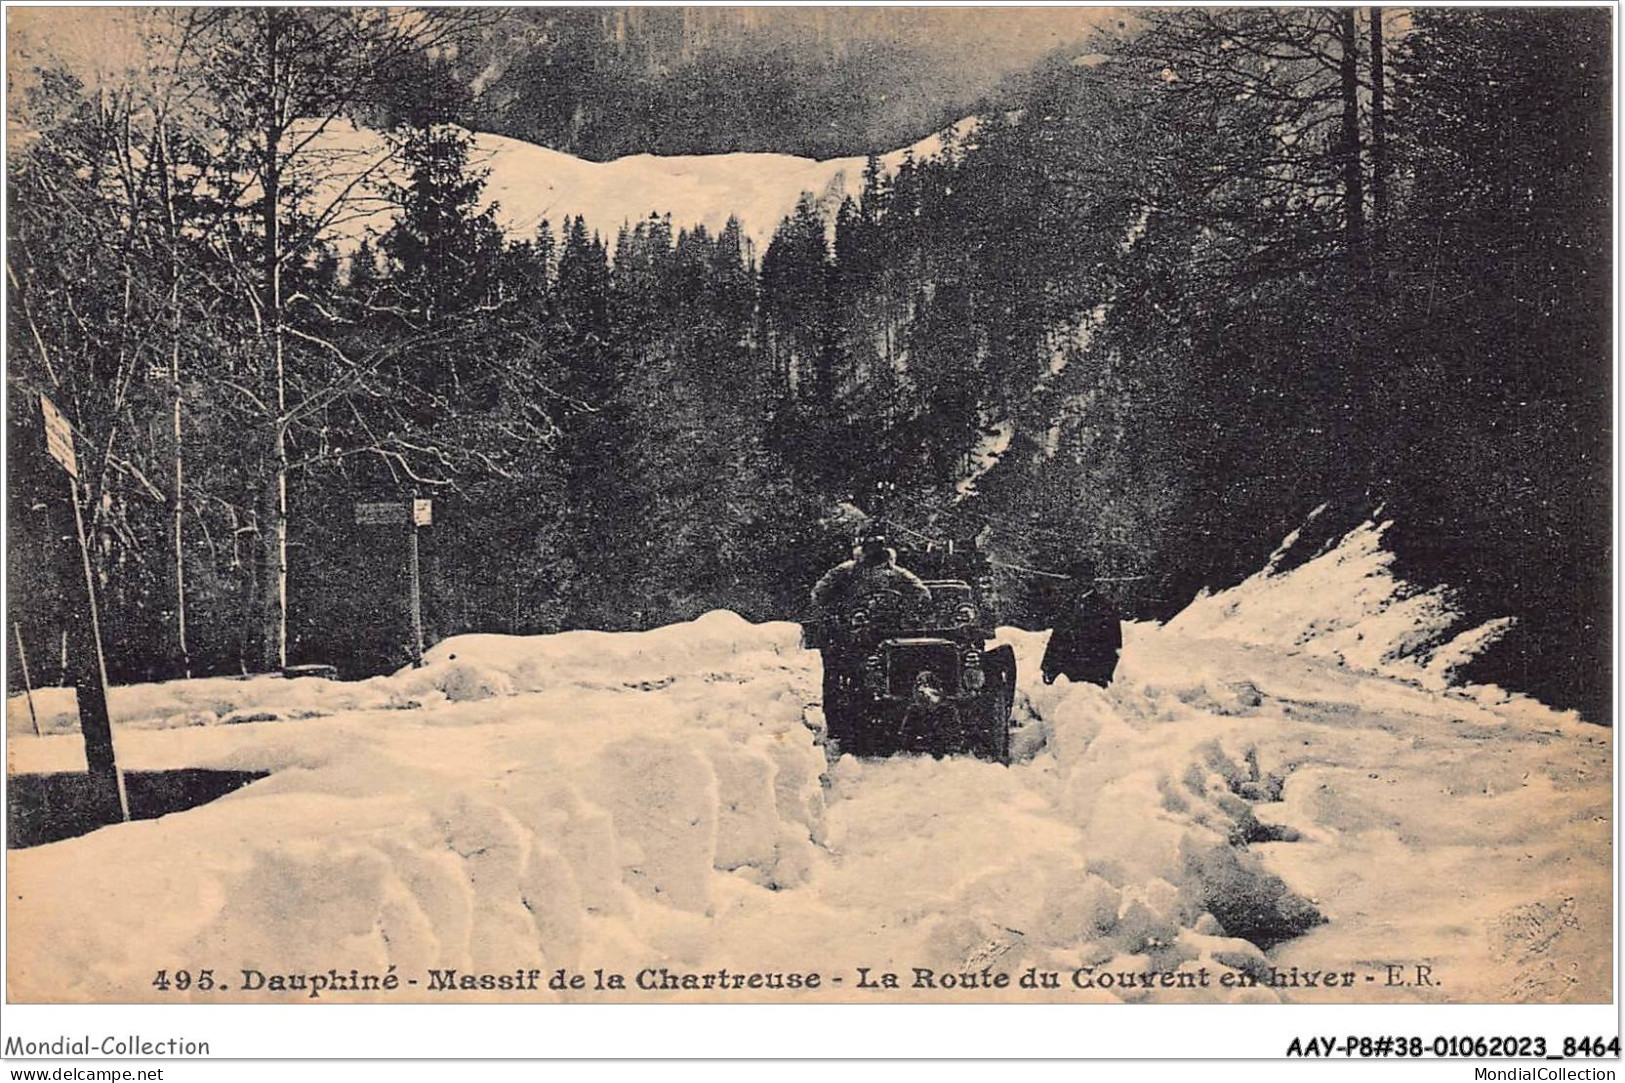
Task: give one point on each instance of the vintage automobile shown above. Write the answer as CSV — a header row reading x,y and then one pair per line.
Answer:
x,y
916,679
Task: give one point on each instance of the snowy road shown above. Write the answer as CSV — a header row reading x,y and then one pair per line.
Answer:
x,y
1239,803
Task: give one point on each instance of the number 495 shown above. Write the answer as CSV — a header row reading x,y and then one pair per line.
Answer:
x,y
184,980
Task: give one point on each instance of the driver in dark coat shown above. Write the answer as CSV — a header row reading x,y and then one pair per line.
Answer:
x,y
873,568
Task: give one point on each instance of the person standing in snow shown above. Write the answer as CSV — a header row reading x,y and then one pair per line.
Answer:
x,y
1087,636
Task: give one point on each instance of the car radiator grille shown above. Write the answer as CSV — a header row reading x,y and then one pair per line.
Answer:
x,y
905,662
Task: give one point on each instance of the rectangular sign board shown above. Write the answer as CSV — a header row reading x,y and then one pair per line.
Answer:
x,y
422,512
384,514
59,437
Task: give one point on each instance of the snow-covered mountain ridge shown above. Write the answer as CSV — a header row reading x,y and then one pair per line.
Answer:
x,y
531,184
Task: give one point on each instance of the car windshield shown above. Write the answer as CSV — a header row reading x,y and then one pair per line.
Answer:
x,y
949,597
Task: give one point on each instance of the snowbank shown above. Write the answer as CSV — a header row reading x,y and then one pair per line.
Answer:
x,y
1346,605
480,828
207,701
459,670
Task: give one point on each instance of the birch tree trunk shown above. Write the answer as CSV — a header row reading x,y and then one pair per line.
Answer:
x,y
1349,150
273,587
1379,139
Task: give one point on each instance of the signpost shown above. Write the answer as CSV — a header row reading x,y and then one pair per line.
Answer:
x,y
84,626
418,513
59,438
380,514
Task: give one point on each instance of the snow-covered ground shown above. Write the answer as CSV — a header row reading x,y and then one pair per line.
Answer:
x,y
1268,784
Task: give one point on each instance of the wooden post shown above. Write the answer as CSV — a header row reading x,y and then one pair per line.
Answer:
x,y
416,513
84,628
90,685
420,514
28,684
415,596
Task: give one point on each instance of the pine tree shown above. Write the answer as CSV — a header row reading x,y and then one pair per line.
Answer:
x,y
1500,313
446,248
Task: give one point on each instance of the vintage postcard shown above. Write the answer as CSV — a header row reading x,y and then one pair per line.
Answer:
x,y
863,505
